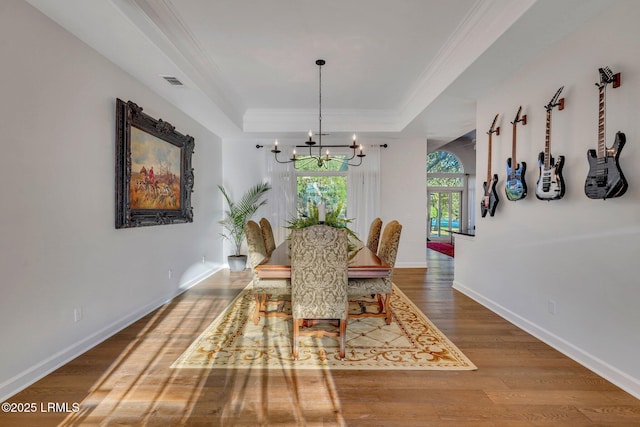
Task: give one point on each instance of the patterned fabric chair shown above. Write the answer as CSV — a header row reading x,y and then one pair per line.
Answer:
x,y
267,235
374,235
265,291
381,287
319,278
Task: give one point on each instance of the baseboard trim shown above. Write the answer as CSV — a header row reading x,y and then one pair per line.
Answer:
x,y
411,265
26,378
626,382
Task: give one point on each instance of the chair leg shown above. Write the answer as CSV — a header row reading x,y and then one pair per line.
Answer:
x,y
387,309
297,323
343,333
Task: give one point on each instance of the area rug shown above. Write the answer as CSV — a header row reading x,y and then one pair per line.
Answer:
x,y
411,342
443,248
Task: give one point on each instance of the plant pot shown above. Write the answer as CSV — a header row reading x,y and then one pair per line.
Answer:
x,y
237,262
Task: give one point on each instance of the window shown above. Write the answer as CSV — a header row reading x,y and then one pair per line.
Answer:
x,y
315,183
444,170
446,188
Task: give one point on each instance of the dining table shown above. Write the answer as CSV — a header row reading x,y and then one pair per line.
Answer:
x,y
362,264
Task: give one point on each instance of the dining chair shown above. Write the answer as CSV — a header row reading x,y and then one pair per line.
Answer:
x,y
381,287
267,235
374,235
265,291
319,280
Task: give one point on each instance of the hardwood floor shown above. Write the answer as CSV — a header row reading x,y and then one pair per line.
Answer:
x,y
519,382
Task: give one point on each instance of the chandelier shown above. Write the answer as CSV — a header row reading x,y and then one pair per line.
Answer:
x,y
317,152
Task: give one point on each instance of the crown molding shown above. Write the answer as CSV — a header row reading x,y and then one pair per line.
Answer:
x,y
333,120
483,25
160,21
122,32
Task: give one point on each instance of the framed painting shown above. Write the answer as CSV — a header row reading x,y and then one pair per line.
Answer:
x,y
154,177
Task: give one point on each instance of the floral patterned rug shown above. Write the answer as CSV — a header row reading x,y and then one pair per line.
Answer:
x,y
411,342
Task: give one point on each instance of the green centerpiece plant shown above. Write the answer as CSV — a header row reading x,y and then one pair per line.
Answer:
x,y
332,219
236,217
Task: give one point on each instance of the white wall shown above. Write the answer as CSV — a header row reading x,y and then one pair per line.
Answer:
x,y
59,248
578,253
403,196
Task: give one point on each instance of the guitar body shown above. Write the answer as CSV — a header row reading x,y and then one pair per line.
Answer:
x,y
490,200
550,185
605,178
516,187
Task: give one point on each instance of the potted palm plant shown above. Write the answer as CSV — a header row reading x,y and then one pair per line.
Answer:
x,y
236,217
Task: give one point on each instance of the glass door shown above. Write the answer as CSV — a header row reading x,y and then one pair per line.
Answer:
x,y
445,207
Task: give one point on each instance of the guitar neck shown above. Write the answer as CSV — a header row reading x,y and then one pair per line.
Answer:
x,y
547,142
514,163
489,162
601,122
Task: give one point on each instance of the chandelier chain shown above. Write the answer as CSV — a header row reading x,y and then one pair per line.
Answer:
x,y
319,158
320,64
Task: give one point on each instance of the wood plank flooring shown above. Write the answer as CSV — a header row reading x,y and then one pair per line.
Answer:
x,y
519,382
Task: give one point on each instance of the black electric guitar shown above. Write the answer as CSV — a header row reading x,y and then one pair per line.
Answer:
x,y
516,186
605,178
490,198
550,185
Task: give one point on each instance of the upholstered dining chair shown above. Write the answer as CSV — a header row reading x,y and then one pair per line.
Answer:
x,y
319,282
265,291
380,287
374,235
267,235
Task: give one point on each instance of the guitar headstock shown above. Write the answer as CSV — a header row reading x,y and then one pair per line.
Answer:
x,y
554,101
518,119
493,126
606,76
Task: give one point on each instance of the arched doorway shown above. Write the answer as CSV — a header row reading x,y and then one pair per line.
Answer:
x,y
447,195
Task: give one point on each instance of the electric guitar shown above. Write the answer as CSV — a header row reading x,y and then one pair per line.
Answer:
x,y
605,178
516,187
550,185
490,199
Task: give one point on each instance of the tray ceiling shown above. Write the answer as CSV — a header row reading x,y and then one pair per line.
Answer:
x,y
395,69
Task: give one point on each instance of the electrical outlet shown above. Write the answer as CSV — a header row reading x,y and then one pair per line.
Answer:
x,y
204,259
552,307
77,314
170,274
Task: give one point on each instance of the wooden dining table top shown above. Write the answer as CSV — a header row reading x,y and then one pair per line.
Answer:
x,y
363,263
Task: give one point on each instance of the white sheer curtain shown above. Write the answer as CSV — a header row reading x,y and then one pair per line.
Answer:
x,y
363,192
282,197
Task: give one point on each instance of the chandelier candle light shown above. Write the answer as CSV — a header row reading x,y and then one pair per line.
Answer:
x,y
318,157
322,213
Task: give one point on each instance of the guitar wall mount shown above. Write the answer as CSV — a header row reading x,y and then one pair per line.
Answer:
x,y
616,80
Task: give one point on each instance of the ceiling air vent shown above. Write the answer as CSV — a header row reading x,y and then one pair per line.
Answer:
x,y
172,80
